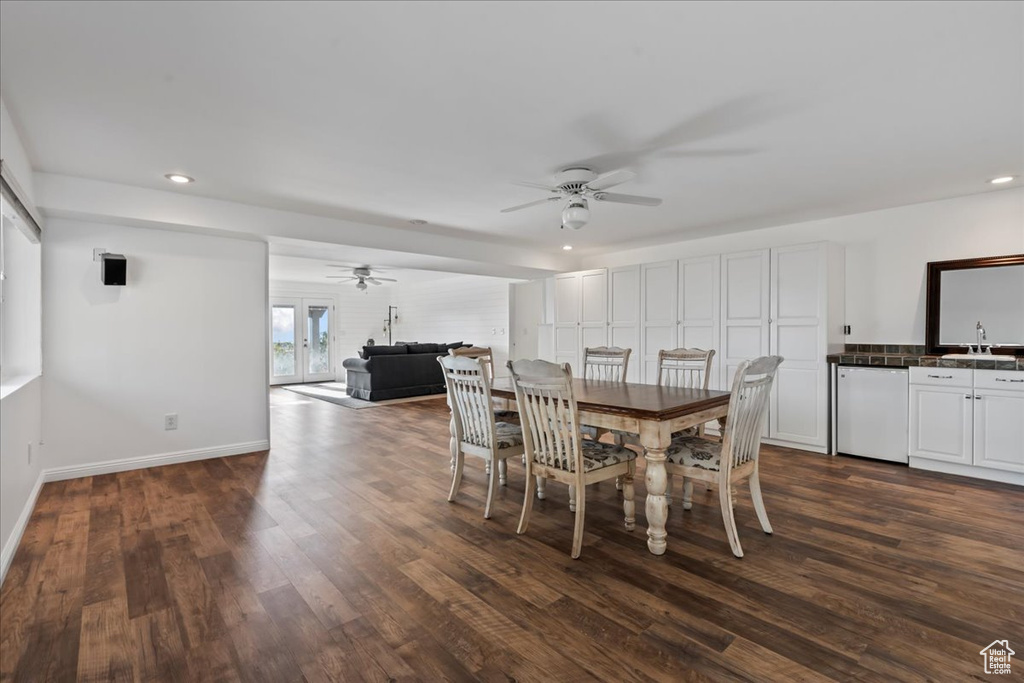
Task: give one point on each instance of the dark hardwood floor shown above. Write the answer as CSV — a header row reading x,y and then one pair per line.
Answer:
x,y
336,557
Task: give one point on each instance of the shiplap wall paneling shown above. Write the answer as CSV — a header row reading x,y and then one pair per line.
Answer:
x,y
659,311
469,308
624,315
700,308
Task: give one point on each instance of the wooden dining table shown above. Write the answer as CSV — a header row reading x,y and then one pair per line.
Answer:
x,y
654,413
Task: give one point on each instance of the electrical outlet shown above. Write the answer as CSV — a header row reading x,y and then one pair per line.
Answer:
x,y
170,421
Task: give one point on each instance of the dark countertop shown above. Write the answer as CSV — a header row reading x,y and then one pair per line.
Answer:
x,y
902,359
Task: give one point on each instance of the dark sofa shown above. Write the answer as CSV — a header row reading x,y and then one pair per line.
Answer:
x,y
384,372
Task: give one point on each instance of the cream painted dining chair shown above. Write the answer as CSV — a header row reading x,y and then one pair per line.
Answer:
x,y
734,459
689,369
474,429
554,447
608,363
486,356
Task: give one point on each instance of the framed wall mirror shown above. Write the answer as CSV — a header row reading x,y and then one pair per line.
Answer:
x,y
976,300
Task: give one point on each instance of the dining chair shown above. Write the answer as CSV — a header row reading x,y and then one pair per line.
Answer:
x,y
735,457
607,363
474,429
689,369
486,355
554,447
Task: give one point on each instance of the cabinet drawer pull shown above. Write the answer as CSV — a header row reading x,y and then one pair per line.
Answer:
x,y
977,398
967,396
941,376
1002,379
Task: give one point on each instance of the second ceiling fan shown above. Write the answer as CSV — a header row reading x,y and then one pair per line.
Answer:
x,y
361,276
577,186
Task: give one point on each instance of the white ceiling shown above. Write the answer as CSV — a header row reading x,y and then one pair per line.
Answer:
x,y
384,112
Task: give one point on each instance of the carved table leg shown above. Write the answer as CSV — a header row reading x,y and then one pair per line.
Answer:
x,y
656,441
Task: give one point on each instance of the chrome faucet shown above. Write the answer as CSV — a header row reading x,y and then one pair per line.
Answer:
x,y
980,331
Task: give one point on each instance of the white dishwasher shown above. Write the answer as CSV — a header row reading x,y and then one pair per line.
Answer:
x,y
872,411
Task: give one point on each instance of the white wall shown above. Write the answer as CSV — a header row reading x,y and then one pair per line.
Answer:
x,y
459,308
186,335
359,315
14,155
886,253
20,401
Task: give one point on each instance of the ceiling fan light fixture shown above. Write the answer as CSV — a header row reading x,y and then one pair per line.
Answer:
x,y
576,213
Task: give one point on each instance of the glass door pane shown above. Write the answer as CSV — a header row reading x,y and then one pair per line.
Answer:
x,y
318,334
284,349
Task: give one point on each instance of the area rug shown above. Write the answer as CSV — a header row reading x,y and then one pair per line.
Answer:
x,y
334,392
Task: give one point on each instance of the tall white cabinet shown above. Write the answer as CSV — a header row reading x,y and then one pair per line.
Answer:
x,y
624,315
699,324
786,301
658,314
581,315
806,314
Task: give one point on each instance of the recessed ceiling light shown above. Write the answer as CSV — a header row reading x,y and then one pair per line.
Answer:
x,y
179,178
566,247
418,221
1001,179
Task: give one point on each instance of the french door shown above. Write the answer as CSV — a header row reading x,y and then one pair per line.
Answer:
x,y
301,340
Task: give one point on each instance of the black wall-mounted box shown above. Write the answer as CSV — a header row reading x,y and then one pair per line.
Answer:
x,y
114,269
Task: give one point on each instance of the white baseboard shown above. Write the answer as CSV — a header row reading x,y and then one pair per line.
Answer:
x,y
7,554
109,467
967,470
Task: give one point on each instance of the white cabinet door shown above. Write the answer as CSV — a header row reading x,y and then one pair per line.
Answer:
x,y
581,315
700,308
999,429
745,310
659,291
567,318
798,410
593,312
942,423
624,315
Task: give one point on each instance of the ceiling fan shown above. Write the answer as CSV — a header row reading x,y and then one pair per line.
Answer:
x,y
577,185
361,275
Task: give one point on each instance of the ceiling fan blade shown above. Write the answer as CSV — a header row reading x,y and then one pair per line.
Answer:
x,y
342,278
607,180
739,152
536,186
529,204
626,199
374,281
384,279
